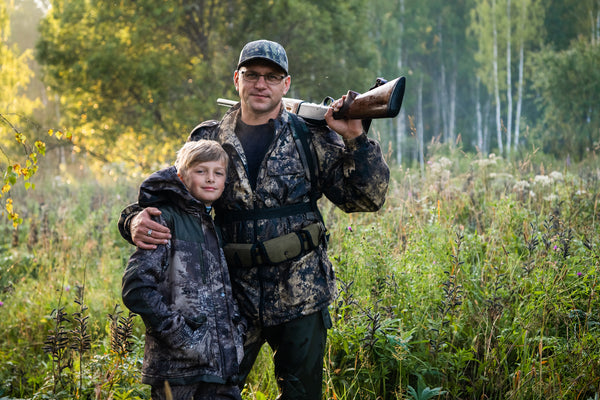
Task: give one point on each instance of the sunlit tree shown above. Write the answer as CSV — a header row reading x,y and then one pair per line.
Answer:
x,y
134,78
19,151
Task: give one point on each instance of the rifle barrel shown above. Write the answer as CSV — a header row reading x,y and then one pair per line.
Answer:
x,y
226,102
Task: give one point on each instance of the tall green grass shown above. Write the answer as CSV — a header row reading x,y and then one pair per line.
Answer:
x,y
478,279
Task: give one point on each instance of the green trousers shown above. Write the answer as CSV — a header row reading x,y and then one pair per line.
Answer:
x,y
298,350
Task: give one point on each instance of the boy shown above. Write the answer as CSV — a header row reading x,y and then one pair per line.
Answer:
x,y
182,289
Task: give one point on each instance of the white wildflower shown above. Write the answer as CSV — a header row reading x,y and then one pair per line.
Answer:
x,y
543,180
521,186
482,163
445,162
556,176
501,176
435,168
440,165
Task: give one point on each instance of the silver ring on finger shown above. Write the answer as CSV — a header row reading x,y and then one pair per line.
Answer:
x,y
149,233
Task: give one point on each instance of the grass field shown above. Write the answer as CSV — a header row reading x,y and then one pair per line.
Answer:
x,y
477,280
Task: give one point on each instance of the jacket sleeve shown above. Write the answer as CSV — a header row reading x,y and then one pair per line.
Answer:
x,y
352,173
140,292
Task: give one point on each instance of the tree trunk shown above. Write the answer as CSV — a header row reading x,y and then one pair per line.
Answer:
x,y
486,127
442,93
519,95
420,127
508,82
595,25
401,120
496,84
479,117
437,125
400,129
452,105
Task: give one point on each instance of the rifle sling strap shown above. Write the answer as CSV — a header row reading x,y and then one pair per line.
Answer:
x,y
301,134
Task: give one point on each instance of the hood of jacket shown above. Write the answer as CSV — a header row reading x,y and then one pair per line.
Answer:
x,y
164,186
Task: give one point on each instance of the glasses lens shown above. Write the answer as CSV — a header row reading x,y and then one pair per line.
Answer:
x,y
251,76
272,78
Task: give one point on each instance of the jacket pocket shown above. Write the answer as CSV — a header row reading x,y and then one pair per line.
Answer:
x,y
193,342
196,322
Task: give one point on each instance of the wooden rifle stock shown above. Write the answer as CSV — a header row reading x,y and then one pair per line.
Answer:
x,y
382,101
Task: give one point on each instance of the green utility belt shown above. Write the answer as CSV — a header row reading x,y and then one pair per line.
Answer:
x,y
274,251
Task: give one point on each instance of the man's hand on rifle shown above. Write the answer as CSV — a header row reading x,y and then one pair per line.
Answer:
x,y
147,233
347,128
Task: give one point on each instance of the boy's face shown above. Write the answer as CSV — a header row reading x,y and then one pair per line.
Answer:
x,y
205,180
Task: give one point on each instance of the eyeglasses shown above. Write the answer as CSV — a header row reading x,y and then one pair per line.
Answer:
x,y
271,79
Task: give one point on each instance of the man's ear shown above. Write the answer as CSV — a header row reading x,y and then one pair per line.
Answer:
x,y
288,83
236,79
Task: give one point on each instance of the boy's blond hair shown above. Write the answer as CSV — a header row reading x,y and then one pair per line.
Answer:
x,y
198,151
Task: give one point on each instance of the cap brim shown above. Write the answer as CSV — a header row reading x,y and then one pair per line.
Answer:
x,y
267,60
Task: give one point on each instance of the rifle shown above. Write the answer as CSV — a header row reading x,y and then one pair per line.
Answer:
x,y
383,100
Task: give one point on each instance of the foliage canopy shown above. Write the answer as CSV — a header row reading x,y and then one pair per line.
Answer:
x,y
134,79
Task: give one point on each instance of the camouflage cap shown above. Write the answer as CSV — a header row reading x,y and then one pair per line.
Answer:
x,y
264,50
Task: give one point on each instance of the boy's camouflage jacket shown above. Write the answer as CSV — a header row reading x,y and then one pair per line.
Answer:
x,y
183,293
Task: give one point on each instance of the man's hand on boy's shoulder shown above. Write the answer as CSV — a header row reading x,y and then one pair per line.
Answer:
x,y
147,233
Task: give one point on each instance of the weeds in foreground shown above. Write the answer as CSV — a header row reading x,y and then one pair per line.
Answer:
x,y
68,344
468,285
501,320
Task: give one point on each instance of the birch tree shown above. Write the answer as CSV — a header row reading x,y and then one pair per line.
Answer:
x,y
529,33
509,106
495,77
388,17
485,28
407,49
420,123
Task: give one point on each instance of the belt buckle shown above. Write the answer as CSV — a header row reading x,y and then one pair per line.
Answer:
x,y
257,253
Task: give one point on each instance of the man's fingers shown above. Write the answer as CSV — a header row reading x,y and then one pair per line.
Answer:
x,y
152,235
153,228
147,233
152,211
145,241
144,246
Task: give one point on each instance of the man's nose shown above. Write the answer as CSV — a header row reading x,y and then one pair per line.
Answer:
x,y
262,81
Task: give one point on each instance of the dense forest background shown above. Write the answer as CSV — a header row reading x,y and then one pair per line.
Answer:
x,y
128,80
477,279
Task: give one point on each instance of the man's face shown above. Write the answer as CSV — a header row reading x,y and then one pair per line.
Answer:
x,y
205,180
260,96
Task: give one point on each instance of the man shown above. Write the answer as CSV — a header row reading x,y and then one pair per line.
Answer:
x,y
276,241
